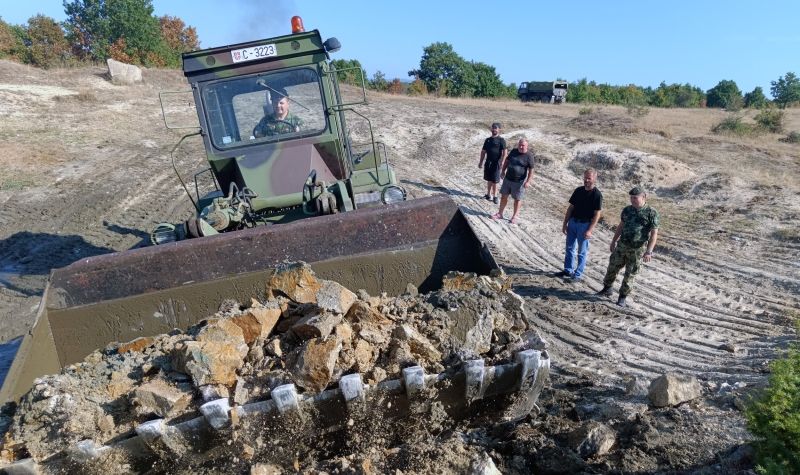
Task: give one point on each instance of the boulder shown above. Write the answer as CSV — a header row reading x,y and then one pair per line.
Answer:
x,y
119,385
316,325
471,328
257,322
592,439
315,363
418,344
136,345
273,348
295,281
364,355
123,73
362,312
160,398
484,465
215,356
672,389
334,297
345,333
514,307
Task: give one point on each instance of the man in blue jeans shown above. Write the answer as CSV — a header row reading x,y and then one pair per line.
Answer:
x,y
585,209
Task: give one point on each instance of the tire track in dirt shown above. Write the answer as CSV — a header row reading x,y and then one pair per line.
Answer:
x,y
641,348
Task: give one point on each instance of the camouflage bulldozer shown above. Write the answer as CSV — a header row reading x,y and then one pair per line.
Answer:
x,y
554,92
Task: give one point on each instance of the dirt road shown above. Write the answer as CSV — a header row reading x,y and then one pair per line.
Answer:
x,y
86,170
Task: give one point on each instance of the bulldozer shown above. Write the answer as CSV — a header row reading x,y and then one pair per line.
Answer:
x,y
361,232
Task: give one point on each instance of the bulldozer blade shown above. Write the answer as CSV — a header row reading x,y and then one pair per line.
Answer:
x,y
149,291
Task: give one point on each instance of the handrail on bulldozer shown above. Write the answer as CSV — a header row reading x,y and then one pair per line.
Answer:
x,y
161,95
374,148
175,167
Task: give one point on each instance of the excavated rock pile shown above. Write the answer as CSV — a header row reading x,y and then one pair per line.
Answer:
x,y
303,330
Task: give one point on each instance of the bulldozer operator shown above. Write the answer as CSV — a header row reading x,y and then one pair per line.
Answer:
x,y
280,121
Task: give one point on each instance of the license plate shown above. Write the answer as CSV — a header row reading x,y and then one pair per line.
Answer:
x,y
253,53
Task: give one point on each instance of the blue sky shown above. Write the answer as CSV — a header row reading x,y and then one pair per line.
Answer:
x,y
617,42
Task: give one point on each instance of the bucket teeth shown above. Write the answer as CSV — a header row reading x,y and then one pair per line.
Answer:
x,y
217,413
414,381
475,372
22,467
87,450
150,431
286,398
530,361
527,375
352,388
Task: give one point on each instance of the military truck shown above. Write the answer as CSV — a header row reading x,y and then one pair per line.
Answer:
x,y
553,92
273,123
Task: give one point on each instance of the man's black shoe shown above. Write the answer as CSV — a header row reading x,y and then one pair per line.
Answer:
x,y
606,292
563,273
487,197
621,301
496,200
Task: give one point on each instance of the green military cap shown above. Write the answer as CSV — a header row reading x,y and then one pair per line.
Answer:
x,y
636,190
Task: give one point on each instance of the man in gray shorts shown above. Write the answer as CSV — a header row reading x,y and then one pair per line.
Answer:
x,y
517,175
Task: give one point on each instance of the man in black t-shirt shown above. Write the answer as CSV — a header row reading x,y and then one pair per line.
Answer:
x,y
585,209
494,152
517,174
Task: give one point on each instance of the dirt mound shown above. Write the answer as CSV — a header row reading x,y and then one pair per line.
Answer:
x,y
620,166
602,122
17,73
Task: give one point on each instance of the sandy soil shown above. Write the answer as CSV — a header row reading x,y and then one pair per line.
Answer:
x,y
86,170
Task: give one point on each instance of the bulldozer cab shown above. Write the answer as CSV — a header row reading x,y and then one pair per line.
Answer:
x,y
270,113
267,131
273,124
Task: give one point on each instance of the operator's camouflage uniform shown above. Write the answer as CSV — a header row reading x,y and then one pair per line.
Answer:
x,y
270,125
636,227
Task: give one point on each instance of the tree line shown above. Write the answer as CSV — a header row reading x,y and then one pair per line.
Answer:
x,y
95,30
443,72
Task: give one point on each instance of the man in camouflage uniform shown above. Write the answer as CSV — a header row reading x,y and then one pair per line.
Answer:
x,y
281,121
638,226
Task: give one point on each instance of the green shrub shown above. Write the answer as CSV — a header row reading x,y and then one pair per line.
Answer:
x,y
417,88
774,417
637,110
793,137
733,125
770,120
585,111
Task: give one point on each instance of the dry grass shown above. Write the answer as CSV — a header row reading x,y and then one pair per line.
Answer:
x,y
679,134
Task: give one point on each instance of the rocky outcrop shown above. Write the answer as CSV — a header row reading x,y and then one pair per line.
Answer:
x,y
123,73
672,389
